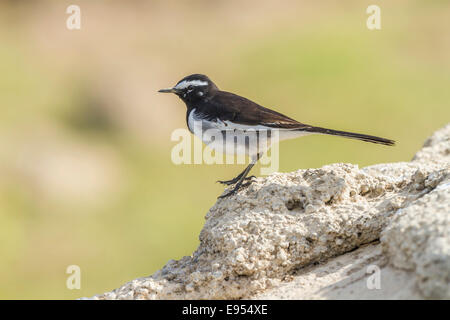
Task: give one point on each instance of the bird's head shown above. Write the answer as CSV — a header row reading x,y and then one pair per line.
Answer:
x,y
193,88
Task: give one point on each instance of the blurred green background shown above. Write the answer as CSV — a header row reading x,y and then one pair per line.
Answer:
x,y
85,170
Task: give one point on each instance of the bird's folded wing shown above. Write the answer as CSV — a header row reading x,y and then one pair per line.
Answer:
x,y
239,110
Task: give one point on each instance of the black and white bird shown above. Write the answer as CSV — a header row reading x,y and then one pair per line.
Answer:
x,y
211,111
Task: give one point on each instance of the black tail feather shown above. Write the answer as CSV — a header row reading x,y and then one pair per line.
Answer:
x,y
359,136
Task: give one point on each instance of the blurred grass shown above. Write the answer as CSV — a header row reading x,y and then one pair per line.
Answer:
x,y
350,76
330,72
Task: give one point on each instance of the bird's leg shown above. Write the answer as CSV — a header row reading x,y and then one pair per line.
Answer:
x,y
241,178
239,182
236,179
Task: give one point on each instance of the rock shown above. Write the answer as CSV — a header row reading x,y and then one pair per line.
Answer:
x,y
418,239
272,235
436,148
348,276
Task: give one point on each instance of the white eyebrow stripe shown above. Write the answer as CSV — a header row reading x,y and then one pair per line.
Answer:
x,y
196,83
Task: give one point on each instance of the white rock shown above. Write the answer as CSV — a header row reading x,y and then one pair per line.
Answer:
x,y
284,223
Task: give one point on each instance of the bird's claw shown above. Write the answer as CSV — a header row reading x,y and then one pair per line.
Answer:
x,y
233,181
226,182
237,188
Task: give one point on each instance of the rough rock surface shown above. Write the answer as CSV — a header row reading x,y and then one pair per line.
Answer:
x,y
273,239
348,276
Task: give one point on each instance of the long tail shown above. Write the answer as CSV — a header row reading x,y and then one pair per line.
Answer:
x,y
359,136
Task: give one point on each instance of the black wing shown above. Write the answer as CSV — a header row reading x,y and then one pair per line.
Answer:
x,y
240,110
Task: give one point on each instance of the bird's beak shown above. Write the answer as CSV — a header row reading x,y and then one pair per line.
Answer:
x,y
168,90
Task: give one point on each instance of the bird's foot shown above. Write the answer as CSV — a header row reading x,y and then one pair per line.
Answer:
x,y
233,181
238,187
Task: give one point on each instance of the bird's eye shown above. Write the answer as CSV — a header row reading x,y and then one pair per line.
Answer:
x,y
190,88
